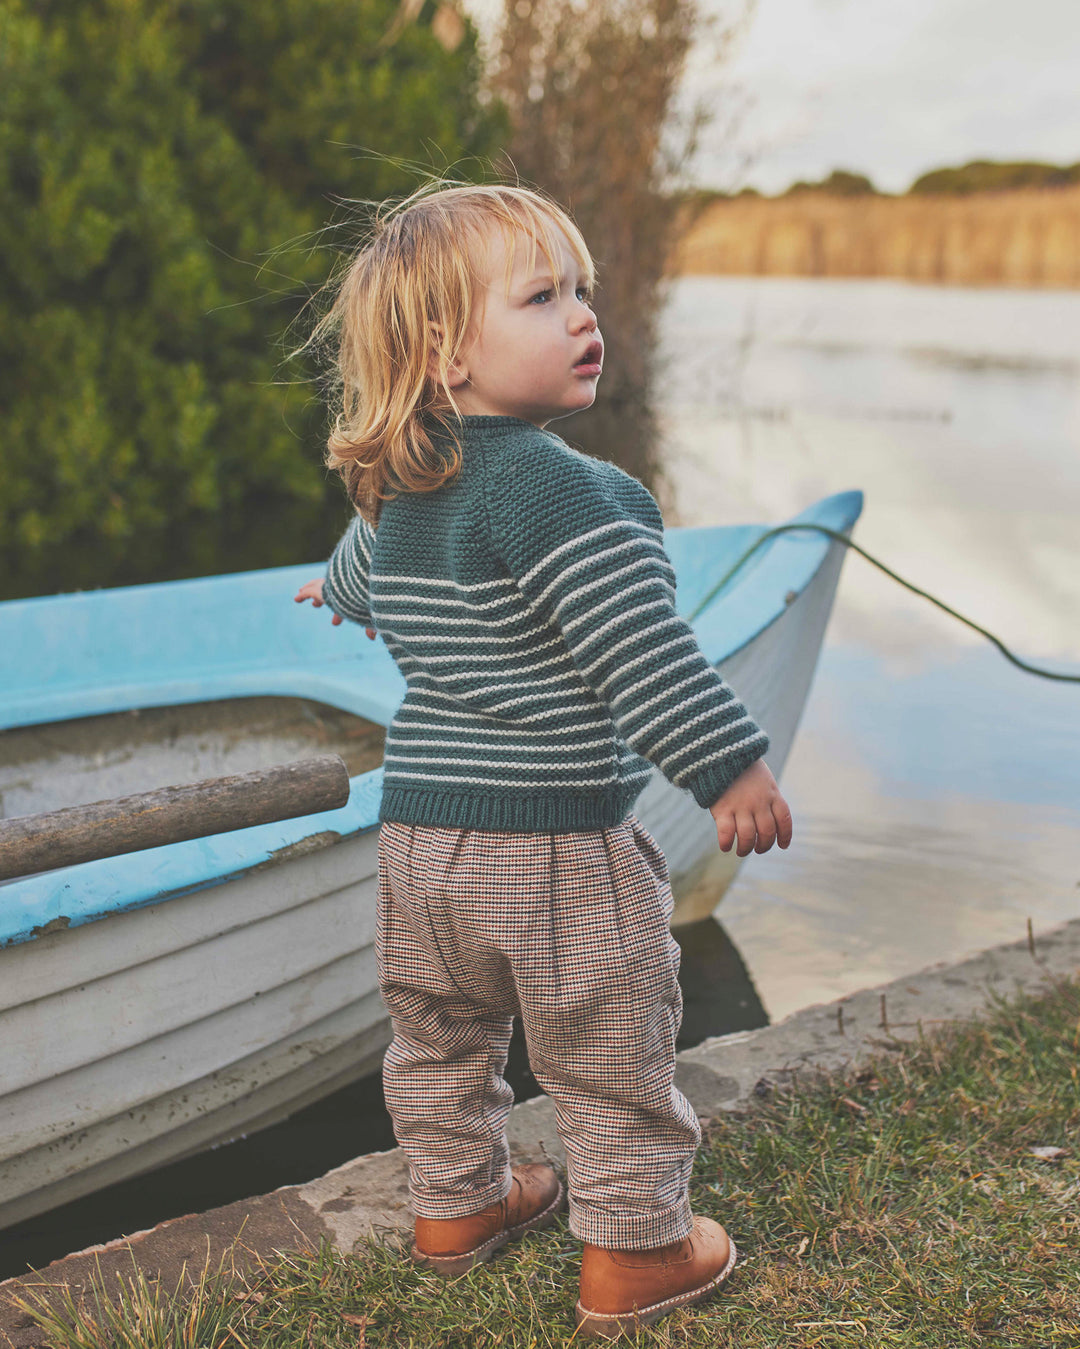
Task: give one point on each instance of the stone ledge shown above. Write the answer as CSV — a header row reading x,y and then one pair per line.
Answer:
x,y
370,1194
725,1073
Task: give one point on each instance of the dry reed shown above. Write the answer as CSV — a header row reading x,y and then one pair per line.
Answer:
x,y
1022,238
590,88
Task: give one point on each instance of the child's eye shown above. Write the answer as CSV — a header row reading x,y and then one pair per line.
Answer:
x,y
541,297
584,294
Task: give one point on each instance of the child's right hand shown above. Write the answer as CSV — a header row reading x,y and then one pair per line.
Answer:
x,y
312,590
753,811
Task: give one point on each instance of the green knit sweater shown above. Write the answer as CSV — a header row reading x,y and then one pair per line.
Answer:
x,y
530,607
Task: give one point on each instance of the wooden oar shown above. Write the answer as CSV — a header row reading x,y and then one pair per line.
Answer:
x,y
61,838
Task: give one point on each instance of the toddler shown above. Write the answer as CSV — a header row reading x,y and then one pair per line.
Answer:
x,y
524,593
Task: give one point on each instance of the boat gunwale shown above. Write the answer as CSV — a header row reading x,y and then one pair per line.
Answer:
x,y
50,903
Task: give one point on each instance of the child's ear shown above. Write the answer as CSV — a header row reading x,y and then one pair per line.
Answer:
x,y
456,373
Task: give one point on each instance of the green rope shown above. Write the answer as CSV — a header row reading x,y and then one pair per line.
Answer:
x,y
843,538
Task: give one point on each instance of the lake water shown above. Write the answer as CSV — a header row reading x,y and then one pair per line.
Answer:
x,y
935,787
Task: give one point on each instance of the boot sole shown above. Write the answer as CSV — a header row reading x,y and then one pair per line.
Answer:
x,y
460,1264
599,1325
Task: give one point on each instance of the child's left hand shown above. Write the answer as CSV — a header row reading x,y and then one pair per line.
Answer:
x,y
312,590
752,813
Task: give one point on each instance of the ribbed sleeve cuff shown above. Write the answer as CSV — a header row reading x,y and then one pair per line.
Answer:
x,y
711,783
355,612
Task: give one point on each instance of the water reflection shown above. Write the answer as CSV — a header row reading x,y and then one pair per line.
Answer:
x,y
719,996
718,993
956,411
935,787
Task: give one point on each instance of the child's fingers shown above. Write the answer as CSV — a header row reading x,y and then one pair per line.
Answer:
x,y
782,816
747,831
725,832
766,830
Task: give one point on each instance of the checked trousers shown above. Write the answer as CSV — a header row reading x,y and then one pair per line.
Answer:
x,y
570,932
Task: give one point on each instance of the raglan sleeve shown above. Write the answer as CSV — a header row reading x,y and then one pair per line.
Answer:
x,y
347,581
587,551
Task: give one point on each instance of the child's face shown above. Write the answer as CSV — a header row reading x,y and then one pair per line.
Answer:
x,y
535,352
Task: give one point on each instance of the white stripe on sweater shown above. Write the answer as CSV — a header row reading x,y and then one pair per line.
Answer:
x,y
502,705
612,599
446,621
508,680
575,690
533,716
464,745
576,729
581,538
577,684
546,664
504,581
627,641
725,753
638,736
652,677
612,623
436,637
633,664
592,560
357,570
364,540
703,740
516,598
683,683
506,763
516,782
604,582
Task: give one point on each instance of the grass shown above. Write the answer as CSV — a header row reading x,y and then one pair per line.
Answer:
x,y
901,1205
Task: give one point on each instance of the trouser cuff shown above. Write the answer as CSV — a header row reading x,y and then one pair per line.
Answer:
x,y
431,1202
631,1231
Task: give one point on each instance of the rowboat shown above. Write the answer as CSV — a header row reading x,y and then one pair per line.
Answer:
x,y
158,1003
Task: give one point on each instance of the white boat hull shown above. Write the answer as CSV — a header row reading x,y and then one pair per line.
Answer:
x,y
152,1034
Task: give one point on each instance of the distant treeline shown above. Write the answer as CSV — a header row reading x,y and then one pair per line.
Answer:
x,y
980,224
981,175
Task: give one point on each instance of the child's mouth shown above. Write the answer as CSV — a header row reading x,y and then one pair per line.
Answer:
x,y
590,363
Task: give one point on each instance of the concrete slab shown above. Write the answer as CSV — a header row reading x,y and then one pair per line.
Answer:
x,y
370,1194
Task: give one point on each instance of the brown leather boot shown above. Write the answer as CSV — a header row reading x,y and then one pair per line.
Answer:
x,y
621,1290
453,1245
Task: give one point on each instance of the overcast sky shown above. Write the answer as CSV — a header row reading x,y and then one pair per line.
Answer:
x,y
893,88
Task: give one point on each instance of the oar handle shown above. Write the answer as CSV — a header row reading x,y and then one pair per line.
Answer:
x,y
62,838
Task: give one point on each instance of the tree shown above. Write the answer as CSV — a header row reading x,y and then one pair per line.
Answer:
x,y
984,175
591,89
166,168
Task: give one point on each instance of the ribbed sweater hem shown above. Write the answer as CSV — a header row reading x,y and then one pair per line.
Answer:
x,y
510,812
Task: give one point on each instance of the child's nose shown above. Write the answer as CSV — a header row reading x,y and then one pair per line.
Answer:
x,y
584,319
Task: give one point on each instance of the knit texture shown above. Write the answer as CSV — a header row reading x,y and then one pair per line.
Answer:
x,y
530,607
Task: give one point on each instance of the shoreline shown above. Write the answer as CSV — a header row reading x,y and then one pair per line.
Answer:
x,y
369,1194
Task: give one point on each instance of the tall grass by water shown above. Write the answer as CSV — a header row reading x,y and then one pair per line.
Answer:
x,y
1018,238
925,1201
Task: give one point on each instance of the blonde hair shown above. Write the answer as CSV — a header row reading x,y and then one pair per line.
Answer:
x,y
403,309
